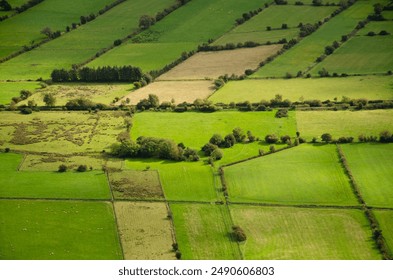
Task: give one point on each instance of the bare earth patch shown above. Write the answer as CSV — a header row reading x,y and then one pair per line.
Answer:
x,y
145,230
179,91
214,64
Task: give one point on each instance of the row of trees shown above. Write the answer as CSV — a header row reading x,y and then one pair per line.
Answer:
x,y
101,74
384,137
5,6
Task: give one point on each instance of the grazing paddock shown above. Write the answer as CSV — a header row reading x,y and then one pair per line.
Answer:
x,y
202,233
344,123
313,175
179,91
58,230
287,233
214,64
12,89
128,184
145,231
372,167
385,221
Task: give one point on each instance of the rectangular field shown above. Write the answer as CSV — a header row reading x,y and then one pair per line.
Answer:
x,y
372,167
385,220
344,123
202,233
313,176
58,230
214,64
286,233
145,230
368,87
9,90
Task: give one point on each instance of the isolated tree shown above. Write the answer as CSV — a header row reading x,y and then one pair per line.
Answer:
x,y
216,139
238,233
271,138
47,32
81,168
146,21
326,137
229,140
49,99
250,136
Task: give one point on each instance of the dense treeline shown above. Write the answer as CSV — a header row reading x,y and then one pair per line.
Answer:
x,y
28,5
100,74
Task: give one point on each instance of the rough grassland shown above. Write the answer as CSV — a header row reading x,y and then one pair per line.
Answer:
x,y
145,231
214,64
57,230
304,54
180,91
202,234
313,175
195,129
385,220
310,234
372,167
25,28
65,132
369,87
9,90
274,16
361,55
344,123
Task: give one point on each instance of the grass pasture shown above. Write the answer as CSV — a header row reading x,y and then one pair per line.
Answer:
x,y
202,233
385,218
179,91
128,184
145,231
360,55
214,64
313,176
369,87
288,233
57,230
9,90
343,123
274,16
372,167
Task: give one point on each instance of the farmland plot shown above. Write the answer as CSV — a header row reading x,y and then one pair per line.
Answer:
x,y
385,219
9,90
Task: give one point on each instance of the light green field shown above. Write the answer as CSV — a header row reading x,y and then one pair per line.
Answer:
x,y
313,175
369,87
388,15
304,54
9,90
372,167
202,233
288,233
344,123
361,55
195,129
25,28
274,16
98,93
377,26
65,132
385,219
83,43
57,230
182,30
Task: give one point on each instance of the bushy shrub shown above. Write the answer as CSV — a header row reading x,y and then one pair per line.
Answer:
x,y
81,168
238,233
62,168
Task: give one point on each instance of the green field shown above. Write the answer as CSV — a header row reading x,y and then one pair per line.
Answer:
x,y
304,54
313,175
287,233
372,167
369,87
57,230
385,219
343,123
376,27
9,90
274,16
202,233
25,28
360,55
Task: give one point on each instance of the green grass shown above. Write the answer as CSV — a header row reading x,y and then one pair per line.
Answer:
x,y
343,123
385,219
372,167
288,233
56,230
9,90
360,55
313,175
275,16
304,54
369,87
25,28
201,232
195,129
10,162
376,27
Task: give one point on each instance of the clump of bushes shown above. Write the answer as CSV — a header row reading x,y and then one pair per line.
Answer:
x,y
238,233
